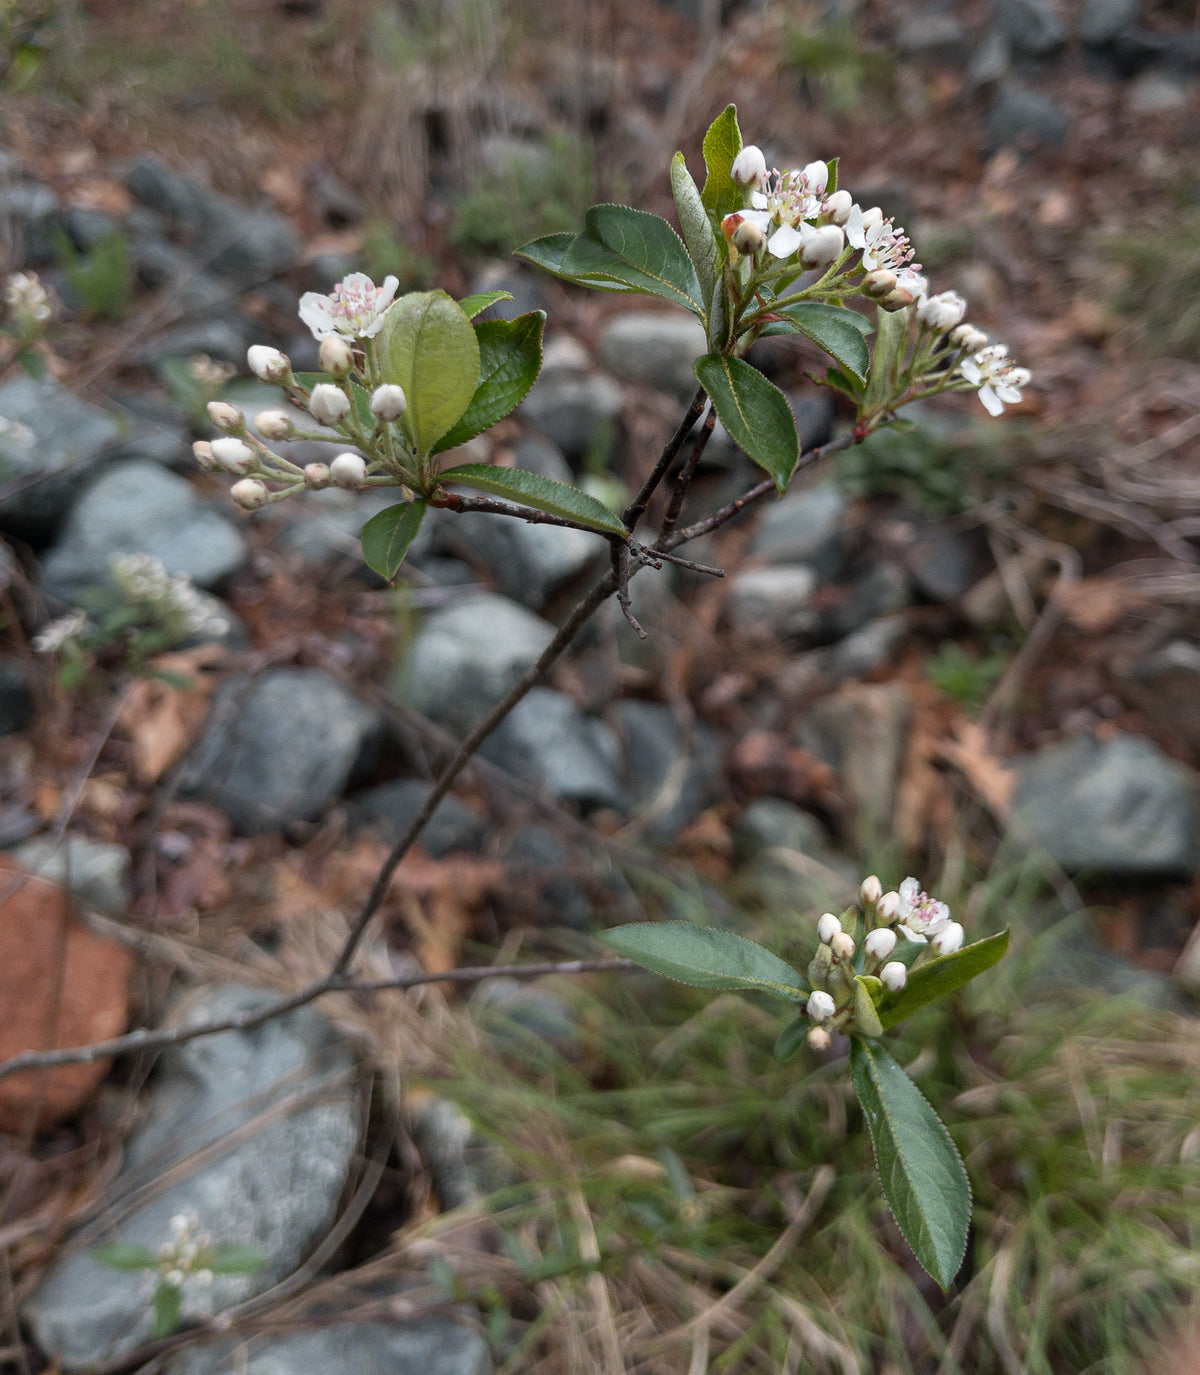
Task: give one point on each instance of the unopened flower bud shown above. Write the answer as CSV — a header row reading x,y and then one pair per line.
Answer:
x,y
898,298
823,246
228,419
941,312
335,355
316,475
842,946
388,402
232,455
880,943
267,364
273,424
820,1006
348,470
817,175
819,1039
879,283
748,238
328,404
893,975
828,927
749,167
250,493
872,218
838,207
204,455
948,939
969,338
870,891
887,909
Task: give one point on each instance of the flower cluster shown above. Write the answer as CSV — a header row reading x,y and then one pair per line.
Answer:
x,y
841,958
346,322
188,1255
171,600
793,218
28,301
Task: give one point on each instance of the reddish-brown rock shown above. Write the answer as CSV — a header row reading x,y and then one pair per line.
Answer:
x,y
60,985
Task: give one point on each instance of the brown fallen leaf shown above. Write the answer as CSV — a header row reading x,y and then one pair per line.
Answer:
x,y
162,719
60,985
987,773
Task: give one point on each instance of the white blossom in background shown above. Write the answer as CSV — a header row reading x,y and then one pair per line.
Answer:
x,y
184,1257
207,372
999,380
28,301
60,631
920,915
355,307
144,581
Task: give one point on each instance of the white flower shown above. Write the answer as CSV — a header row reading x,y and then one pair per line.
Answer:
x,y
894,976
827,928
388,402
998,380
968,338
883,244
887,909
838,206
355,307
348,470
948,939
820,247
843,946
749,167
27,298
941,312
820,1006
328,404
880,943
784,202
58,632
267,364
920,915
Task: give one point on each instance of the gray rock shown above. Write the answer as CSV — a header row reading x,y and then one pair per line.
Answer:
x,y
1033,27
330,197
549,880
526,289
934,35
16,697
1119,807
528,562
390,808
943,562
1158,93
467,655
30,211
278,1109
527,1017
787,860
246,246
1025,119
326,525
1100,21
140,508
50,442
771,823
991,60
773,602
1166,686
655,348
537,454
864,650
881,591
672,775
157,185
575,407
548,740
805,527
278,747
428,1346
222,339
94,873
862,731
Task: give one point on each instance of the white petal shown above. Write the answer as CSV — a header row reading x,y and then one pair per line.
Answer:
x,y
316,312
991,402
912,935
784,242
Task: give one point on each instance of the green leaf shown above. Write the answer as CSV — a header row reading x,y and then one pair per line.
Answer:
x,y
475,304
550,251
922,1174
834,328
639,249
706,957
940,976
698,235
428,347
124,1255
791,1038
891,342
542,493
754,411
230,1258
866,1019
722,143
510,358
386,537
33,363
168,1303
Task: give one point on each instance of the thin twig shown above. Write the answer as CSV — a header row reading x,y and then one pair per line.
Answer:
x,y
247,1021
684,480
637,507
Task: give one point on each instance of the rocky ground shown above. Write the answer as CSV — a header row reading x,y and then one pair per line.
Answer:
x,y
976,649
